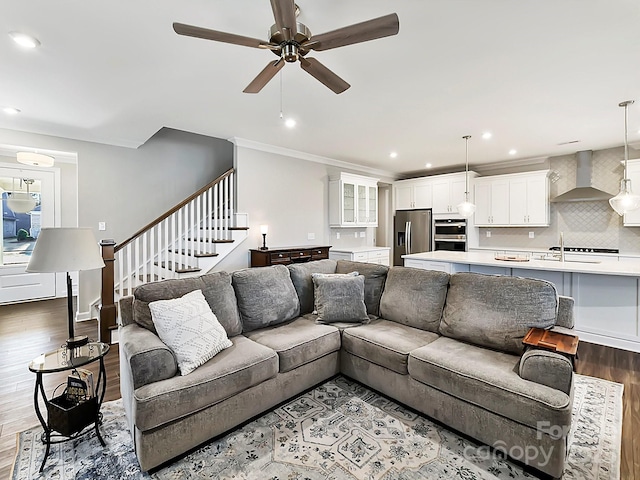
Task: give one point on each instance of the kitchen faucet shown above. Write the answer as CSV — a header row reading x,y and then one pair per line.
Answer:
x,y
561,246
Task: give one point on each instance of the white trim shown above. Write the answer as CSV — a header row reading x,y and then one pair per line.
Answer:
x,y
287,152
522,162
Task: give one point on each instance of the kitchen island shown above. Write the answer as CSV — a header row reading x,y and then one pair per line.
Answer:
x,y
606,290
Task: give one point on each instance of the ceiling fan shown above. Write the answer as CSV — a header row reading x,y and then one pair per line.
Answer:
x,y
291,41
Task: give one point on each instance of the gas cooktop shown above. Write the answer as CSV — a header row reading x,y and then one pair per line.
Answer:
x,y
586,250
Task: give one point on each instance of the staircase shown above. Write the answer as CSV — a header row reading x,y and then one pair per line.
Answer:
x,y
188,240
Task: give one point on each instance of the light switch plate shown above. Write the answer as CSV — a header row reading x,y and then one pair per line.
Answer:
x,y
337,235
532,235
311,236
102,226
488,233
363,234
355,234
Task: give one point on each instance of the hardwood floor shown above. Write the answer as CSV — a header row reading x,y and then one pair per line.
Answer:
x,y
29,329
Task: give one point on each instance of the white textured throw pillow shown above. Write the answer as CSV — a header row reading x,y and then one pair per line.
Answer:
x,y
189,328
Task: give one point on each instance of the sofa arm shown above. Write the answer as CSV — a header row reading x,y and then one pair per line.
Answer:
x,y
565,312
547,368
145,356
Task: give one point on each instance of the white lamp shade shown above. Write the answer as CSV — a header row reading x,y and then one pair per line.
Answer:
x,y
264,229
625,201
466,209
21,202
65,250
35,159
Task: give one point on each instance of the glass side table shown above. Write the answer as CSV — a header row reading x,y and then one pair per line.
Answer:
x,y
65,420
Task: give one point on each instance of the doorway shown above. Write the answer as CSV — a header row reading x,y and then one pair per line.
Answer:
x,y
28,204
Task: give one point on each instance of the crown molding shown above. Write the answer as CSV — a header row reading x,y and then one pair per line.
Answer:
x,y
287,152
521,162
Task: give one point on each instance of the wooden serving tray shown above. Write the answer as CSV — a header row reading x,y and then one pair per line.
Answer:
x,y
554,341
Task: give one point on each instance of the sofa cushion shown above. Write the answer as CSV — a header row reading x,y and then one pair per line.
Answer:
x,y
414,297
266,296
489,379
302,282
339,297
232,371
190,329
216,288
385,343
298,342
497,311
374,278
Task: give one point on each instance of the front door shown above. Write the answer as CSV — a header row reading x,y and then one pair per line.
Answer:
x,y
28,204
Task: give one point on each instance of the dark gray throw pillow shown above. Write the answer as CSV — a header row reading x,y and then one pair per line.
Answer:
x,y
339,298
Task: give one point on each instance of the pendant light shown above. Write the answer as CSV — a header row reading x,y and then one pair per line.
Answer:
x,y
625,201
466,209
21,202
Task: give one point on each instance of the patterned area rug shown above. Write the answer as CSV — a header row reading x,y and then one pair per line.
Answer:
x,y
338,431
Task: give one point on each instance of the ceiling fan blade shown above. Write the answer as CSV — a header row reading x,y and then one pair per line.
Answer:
x,y
264,76
323,74
284,12
198,32
357,33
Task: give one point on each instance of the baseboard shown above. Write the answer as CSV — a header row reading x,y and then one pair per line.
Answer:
x,y
83,316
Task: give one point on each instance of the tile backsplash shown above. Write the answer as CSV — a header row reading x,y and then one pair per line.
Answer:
x,y
585,224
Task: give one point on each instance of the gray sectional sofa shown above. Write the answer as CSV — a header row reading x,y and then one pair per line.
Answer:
x,y
449,346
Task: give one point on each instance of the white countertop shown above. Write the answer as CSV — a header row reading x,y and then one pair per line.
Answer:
x,y
624,267
358,249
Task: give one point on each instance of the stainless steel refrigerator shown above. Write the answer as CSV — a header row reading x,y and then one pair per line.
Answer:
x,y
412,233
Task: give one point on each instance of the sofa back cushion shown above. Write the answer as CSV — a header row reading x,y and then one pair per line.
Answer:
x,y
302,282
216,288
266,296
374,278
414,297
497,311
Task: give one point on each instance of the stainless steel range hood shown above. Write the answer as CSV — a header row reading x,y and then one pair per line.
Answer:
x,y
584,190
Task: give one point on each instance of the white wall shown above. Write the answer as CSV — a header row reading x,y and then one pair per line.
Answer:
x,y
291,195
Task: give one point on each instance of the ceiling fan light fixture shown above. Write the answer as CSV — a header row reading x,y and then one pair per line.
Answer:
x,y
24,40
35,159
466,209
625,201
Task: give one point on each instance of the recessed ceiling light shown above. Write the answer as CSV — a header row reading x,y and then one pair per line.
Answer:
x,y
24,40
10,110
487,135
513,151
393,154
428,165
290,123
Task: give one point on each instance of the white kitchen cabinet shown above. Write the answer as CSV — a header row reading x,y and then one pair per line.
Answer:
x,y
513,200
632,219
379,255
353,201
492,202
529,199
410,194
448,192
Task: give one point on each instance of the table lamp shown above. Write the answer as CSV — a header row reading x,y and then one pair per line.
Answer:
x,y
66,250
264,229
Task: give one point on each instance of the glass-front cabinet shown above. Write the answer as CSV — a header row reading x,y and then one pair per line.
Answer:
x,y
353,201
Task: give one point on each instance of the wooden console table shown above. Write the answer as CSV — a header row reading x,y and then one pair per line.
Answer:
x,y
287,255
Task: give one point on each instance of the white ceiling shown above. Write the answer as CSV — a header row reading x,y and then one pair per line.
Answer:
x,y
536,73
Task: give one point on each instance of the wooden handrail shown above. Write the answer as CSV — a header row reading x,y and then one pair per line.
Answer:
x,y
173,210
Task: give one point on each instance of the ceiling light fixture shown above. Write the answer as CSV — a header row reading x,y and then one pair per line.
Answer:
x,y
24,40
466,208
393,154
428,165
513,151
626,200
35,159
290,123
10,110
487,135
